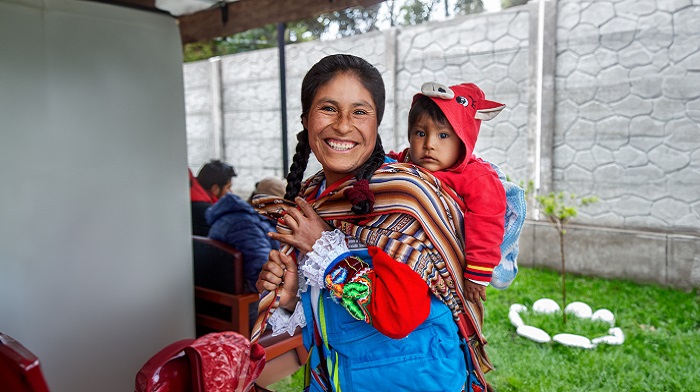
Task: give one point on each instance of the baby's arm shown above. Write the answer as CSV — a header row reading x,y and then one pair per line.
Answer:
x,y
474,291
483,223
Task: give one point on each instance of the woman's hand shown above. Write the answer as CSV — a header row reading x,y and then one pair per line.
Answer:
x,y
280,271
305,224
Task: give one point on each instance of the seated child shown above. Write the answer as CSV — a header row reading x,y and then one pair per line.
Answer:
x,y
443,125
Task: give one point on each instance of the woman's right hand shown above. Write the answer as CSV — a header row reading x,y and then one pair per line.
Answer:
x,y
280,270
305,225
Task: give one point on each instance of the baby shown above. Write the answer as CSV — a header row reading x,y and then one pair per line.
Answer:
x,y
443,125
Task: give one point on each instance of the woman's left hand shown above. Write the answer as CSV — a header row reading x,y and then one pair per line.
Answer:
x,y
305,224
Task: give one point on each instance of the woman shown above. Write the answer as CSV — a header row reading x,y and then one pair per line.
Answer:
x,y
370,235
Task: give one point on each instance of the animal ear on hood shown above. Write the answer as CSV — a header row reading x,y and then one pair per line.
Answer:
x,y
437,90
487,110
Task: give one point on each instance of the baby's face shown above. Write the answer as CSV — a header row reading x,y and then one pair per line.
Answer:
x,y
433,146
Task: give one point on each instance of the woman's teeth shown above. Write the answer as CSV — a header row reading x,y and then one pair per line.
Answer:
x,y
341,146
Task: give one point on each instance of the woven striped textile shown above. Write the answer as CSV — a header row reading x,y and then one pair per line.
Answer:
x,y
413,221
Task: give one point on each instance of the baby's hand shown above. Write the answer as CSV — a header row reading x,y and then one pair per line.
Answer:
x,y
474,291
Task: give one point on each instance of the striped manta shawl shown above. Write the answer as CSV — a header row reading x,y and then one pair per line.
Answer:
x,y
413,221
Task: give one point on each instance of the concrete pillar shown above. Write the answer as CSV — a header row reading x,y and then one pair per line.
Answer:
x,y
542,60
217,110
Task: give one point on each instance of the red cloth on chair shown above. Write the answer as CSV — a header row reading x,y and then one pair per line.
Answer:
x,y
217,362
229,361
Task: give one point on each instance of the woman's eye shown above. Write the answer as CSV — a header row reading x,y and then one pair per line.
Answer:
x,y
328,108
360,112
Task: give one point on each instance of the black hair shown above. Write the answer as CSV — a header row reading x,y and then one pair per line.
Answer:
x,y
299,163
425,106
319,75
215,173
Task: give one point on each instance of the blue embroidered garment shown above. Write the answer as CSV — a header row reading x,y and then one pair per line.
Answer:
x,y
516,209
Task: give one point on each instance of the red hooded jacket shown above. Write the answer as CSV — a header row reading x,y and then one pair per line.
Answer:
x,y
472,178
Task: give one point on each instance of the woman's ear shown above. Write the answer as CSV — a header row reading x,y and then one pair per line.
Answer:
x,y
304,122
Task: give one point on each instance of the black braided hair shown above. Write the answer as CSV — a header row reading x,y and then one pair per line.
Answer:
x,y
365,172
299,162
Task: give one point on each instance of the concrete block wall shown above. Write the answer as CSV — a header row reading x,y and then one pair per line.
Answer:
x,y
490,50
198,107
491,53
624,106
627,129
627,116
642,256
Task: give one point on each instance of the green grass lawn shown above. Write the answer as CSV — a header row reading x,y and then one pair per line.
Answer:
x,y
661,350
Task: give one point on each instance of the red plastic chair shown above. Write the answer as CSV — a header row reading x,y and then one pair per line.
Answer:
x,y
170,370
198,365
20,370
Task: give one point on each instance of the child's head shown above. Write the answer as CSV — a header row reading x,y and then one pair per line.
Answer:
x,y
443,124
433,142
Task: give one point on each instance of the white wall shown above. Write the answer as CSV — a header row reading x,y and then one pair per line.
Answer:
x,y
95,256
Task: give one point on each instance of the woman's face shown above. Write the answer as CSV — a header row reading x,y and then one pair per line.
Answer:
x,y
342,125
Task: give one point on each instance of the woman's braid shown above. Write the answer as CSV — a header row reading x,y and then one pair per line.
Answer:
x,y
360,196
299,162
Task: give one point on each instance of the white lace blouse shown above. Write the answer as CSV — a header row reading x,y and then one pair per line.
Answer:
x,y
312,267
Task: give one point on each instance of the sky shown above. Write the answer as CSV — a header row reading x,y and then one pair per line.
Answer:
x,y
492,5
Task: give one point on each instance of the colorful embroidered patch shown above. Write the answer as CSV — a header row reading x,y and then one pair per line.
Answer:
x,y
339,275
356,298
350,286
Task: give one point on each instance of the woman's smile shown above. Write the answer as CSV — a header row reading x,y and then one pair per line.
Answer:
x,y
340,145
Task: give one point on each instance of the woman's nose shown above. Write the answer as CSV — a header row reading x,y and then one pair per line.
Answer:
x,y
343,124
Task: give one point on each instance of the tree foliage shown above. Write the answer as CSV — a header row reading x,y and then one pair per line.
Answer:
x,y
338,24
260,38
465,7
414,12
351,21
512,3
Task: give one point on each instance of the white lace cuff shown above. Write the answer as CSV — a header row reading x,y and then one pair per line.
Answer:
x,y
325,250
282,320
479,282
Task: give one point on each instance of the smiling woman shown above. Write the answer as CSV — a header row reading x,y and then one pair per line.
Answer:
x,y
342,123
378,256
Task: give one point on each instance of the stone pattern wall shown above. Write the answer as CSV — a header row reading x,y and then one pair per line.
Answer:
x,y
626,119
198,107
490,50
628,111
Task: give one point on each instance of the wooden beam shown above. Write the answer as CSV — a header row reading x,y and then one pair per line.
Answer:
x,y
149,5
249,14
